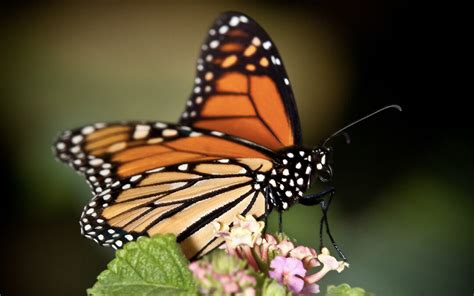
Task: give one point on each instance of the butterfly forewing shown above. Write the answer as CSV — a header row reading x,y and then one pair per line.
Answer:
x,y
241,87
151,178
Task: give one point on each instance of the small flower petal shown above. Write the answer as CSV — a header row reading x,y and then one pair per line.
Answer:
x,y
309,289
289,272
285,247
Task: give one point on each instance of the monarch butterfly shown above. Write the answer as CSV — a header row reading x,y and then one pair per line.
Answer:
x,y
236,150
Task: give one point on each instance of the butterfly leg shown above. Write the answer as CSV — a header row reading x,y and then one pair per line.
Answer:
x,y
280,221
315,199
318,198
268,208
325,207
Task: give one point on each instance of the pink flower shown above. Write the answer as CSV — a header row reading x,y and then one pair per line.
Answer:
x,y
223,277
289,272
309,289
245,231
329,263
197,270
275,255
285,247
308,255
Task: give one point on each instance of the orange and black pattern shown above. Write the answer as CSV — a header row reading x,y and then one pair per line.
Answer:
x,y
241,87
235,151
153,178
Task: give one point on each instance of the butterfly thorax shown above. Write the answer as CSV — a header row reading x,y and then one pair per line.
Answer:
x,y
290,177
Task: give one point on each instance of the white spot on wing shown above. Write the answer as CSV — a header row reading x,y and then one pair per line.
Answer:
x,y
96,162
215,133
75,149
256,41
183,167
135,178
234,21
160,125
77,139
104,172
214,44
169,133
87,130
223,29
243,19
141,131
156,170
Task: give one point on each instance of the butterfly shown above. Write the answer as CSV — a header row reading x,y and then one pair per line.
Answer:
x,y
237,149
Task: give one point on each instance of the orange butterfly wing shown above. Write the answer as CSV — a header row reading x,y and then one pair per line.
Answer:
x,y
154,178
151,178
241,87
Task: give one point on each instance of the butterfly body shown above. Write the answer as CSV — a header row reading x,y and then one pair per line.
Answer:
x,y
290,177
236,150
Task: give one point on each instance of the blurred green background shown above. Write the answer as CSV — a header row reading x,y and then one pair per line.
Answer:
x,y
403,208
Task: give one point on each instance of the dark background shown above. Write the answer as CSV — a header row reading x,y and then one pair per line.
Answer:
x,y
403,208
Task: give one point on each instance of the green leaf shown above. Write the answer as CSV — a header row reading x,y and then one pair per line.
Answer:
x,y
346,290
148,266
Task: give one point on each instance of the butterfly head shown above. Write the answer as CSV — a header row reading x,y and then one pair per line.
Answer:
x,y
322,163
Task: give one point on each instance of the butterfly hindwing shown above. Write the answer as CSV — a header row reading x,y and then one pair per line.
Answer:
x,y
181,199
151,178
241,87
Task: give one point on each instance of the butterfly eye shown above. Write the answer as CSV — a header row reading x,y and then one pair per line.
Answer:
x,y
325,174
323,167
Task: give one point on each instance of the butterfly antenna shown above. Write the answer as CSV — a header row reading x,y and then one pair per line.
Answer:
x,y
342,130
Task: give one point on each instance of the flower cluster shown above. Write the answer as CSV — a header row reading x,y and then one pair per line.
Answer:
x,y
220,274
275,256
